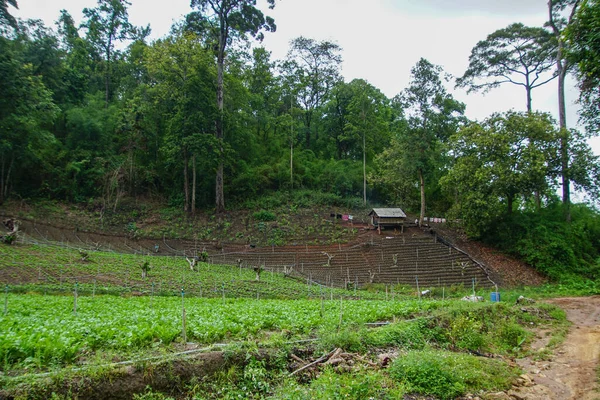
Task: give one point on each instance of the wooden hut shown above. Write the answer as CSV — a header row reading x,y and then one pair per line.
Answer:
x,y
387,218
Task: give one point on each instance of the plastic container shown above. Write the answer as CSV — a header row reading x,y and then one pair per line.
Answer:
x,y
495,297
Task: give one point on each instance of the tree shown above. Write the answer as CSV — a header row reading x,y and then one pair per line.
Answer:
x,y
517,54
182,73
366,122
507,156
583,42
230,20
106,24
433,115
314,67
26,113
5,17
557,23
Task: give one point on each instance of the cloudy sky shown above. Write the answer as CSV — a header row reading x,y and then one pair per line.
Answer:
x,y
381,39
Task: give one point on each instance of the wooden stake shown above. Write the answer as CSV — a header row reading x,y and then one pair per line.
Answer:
x,y
183,330
75,300
5,299
341,312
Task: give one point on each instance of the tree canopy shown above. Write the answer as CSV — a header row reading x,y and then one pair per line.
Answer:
x,y
107,117
518,54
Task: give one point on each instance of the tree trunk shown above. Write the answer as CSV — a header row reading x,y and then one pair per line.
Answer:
x,y
528,89
107,74
291,145
562,67
510,200
186,183
219,194
308,120
422,185
364,169
2,180
564,138
194,184
7,181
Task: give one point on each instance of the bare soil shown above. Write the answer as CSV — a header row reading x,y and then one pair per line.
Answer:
x,y
572,371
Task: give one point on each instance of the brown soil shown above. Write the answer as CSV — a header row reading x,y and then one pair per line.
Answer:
x,y
572,372
508,271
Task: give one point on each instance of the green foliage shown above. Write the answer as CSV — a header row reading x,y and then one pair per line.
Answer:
x,y
149,394
566,252
448,375
505,158
517,54
334,385
264,215
583,41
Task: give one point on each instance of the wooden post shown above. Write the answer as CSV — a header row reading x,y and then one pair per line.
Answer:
x,y
5,299
341,312
183,330
418,290
75,300
152,295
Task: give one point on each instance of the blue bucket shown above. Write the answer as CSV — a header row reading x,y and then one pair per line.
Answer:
x,y
495,296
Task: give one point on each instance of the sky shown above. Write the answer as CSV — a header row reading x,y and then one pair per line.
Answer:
x,y
381,39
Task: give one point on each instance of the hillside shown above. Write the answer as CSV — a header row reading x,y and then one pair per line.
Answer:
x,y
306,243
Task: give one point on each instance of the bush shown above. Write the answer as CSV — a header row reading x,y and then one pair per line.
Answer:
x,y
545,241
447,375
264,216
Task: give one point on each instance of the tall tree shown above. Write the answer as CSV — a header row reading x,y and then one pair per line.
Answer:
x,y
433,115
182,78
583,40
517,54
107,24
5,17
507,156
230,20
315,68
366,123
557,22
26,113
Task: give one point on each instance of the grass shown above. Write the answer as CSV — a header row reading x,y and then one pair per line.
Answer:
x,y
448,375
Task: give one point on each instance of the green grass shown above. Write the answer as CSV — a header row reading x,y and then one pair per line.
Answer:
x,y
364,384
448,375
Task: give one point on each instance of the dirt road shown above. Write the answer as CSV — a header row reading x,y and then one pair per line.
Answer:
x,y
572,373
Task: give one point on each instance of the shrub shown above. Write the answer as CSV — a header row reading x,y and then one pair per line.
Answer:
x,y
447,375
264,216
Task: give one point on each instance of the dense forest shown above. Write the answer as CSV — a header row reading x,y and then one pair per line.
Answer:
x,y
204,118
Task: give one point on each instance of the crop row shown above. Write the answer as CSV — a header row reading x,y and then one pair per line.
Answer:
x,y
55,269
43,331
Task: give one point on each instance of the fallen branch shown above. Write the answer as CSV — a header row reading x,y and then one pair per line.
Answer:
x,y
296,358
317,361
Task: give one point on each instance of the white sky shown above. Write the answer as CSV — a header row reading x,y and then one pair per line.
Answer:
x,y
381,39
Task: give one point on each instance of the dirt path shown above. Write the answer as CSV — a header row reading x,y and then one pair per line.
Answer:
x,y
572,373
